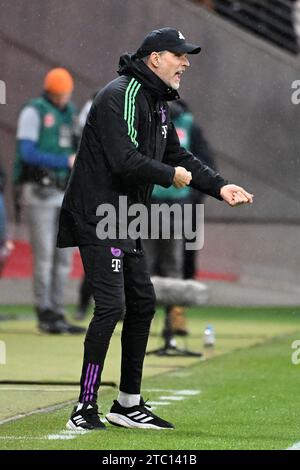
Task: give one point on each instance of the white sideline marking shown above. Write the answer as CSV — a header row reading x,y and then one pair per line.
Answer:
x,y
295,446
75,432
178,398
177,395
162,403
40,410
62,435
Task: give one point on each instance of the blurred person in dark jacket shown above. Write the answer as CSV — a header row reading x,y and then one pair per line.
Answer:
x,y
192,138
169,257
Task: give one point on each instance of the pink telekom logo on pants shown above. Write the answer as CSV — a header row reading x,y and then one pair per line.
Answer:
x,y
116,251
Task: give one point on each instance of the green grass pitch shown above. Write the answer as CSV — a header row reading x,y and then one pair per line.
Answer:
x,y
243,395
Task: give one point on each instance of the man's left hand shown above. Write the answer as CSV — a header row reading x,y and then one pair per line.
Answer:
x,y
235,195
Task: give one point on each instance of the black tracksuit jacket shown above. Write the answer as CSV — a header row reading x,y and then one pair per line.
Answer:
x,y
128,145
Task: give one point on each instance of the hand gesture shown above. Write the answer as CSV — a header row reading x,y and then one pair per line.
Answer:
x,y
235,195
182,177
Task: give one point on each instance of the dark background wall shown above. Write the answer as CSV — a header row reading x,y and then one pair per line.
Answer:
x,y
239,89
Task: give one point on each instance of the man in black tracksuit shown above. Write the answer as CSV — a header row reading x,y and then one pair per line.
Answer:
x,y
128,145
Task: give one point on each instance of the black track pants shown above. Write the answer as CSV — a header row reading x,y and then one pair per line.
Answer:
x,y
117,279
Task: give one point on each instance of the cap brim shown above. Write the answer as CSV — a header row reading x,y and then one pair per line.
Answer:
x,y
187,49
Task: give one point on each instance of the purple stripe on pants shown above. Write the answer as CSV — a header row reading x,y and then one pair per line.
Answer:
x,y
86,381
94,381
89,383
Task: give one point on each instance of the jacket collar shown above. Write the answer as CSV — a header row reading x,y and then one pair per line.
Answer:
x,y
130,65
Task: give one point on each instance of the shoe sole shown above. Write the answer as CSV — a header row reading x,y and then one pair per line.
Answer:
x,y
72,427
125,422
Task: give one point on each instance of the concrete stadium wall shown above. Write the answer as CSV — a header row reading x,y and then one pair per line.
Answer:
x,y
257,254
239,89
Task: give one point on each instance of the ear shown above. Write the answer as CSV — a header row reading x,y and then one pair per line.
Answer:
x,y
154,59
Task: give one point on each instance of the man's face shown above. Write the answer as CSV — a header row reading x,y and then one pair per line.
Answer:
x,y
60,100
169,66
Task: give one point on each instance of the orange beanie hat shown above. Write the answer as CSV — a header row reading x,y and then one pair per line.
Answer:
x,y
58,81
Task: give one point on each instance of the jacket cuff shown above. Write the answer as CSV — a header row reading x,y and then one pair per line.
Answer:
x,y
217,188
168,176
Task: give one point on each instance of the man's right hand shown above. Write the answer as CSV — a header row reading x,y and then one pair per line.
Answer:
x,y
182,177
